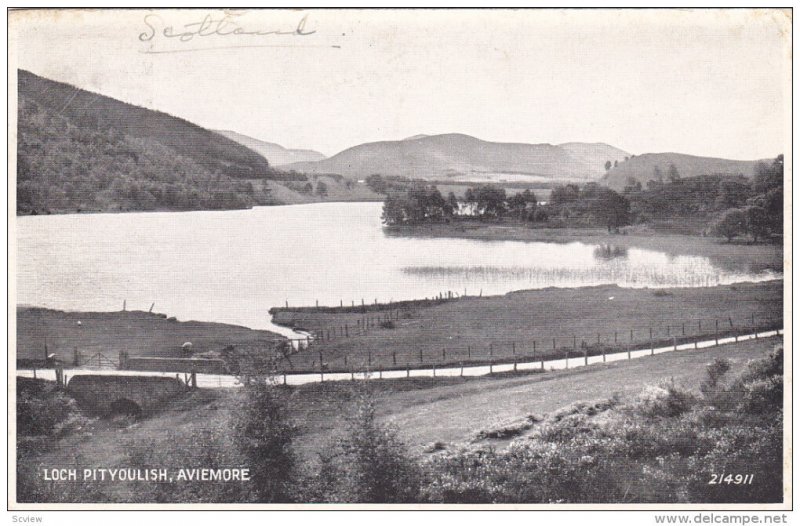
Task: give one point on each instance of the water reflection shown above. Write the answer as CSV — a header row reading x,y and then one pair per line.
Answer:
x,y
609,252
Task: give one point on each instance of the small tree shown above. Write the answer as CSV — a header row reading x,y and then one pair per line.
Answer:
x,y
369,464
264,436
730,224
673,173
758,222
608,165
322,189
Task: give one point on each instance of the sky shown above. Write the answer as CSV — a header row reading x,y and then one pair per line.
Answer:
x,y
701,82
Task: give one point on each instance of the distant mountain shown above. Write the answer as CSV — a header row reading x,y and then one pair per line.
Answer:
x,y
81,150
415,137
463,157
645,167
274,153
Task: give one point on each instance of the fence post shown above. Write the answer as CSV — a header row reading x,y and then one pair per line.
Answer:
x,y
630,345
566,359
76,357
434,370
420,356
585,354
444,354
674,343
652,347
369,358
683,329
408,370
513,348
615,337
716,331
394,358
462,370
469,352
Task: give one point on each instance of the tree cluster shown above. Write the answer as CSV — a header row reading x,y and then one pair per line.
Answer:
x,y
758,213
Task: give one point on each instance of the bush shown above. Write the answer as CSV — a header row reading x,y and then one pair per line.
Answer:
x,y
264,436
714,373
45,410
369,464
730,224
665,400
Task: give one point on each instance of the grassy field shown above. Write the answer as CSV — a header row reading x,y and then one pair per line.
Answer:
x,y
482,329
735,256
136,332
450,412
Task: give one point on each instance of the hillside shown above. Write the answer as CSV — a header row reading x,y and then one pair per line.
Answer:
x,y
274,153
80,151
462,157
643,168
594,155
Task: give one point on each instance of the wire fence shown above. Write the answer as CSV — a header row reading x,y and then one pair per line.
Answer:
x,y
370,356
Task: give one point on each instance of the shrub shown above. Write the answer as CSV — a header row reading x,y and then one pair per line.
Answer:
x,y
45,410
665,400
369,464
714,373
264,436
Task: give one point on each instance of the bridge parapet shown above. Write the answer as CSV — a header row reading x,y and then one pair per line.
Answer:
x,y
130,394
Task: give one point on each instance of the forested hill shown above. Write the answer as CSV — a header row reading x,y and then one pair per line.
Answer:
x,y
662,166
81,151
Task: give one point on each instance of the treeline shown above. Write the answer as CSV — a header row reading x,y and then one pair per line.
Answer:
x,y
732,205
590,205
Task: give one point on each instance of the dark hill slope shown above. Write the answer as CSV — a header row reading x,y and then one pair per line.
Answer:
x,y
81,150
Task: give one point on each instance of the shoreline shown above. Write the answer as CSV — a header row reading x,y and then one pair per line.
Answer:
x,y
172,210
758,257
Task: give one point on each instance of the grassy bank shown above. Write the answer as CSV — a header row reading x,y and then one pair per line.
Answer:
x,y
135,332
735,256
439,421
498,328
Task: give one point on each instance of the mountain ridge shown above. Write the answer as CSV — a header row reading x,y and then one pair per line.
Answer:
x,y
274,153
458,155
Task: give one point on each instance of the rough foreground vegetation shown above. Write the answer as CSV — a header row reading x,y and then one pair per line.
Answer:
x,y
663,444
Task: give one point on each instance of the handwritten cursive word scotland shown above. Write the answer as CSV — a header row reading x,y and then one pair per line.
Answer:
x,y
224,26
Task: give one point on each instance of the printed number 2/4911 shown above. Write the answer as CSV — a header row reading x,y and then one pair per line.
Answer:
x,y
722,478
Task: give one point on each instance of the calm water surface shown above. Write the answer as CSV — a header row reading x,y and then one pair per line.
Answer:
x,y
233,266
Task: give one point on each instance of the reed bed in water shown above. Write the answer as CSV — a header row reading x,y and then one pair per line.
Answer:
x,y
685,274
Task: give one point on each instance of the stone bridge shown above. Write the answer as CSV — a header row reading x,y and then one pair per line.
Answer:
x,y
108,394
